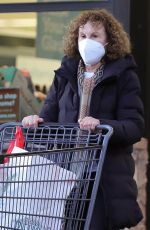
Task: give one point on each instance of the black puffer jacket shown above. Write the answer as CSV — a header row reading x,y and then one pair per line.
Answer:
x,y
115,101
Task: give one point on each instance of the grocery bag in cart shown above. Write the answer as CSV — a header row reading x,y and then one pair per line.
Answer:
x,y
33,191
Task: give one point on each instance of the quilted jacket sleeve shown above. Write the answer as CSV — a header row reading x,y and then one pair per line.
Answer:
x,y
129,125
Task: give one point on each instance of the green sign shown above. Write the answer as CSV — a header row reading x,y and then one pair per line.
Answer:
x,y
50,32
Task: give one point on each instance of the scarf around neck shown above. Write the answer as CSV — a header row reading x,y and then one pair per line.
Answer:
x,y
86,86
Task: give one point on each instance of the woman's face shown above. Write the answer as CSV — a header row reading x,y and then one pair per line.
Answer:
x,y
94,32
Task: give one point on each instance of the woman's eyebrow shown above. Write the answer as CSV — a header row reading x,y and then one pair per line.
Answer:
x,y
81,32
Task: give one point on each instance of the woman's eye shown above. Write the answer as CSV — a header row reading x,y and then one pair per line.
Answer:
x,y
82,35
94,36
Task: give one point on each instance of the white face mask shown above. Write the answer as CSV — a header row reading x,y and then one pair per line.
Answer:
x,y
91,51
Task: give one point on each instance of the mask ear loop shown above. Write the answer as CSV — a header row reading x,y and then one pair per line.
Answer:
x,y
106,44
103,62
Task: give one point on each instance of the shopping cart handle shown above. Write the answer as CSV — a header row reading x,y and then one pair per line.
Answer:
x,y
58,124
106,128
9,124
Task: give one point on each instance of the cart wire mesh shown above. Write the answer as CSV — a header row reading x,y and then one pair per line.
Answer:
x,y
53,185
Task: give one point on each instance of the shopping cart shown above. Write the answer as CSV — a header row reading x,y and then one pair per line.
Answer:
x,y
53,186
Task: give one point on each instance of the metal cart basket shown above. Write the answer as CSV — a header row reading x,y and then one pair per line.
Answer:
x,y
53,186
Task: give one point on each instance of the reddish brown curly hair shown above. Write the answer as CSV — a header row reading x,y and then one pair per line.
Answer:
x,y
118,40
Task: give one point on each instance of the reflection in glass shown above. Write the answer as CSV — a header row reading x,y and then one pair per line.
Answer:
x,y
50,32
33,42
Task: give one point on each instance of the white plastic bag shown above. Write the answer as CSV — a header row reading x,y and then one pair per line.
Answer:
x,y
36,187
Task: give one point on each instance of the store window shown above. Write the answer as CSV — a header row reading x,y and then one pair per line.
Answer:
x,y
31,43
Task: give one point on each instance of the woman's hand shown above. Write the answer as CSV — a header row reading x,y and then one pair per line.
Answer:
x,y
88,123
32,120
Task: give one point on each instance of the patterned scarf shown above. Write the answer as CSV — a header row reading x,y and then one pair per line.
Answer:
x,y
86,86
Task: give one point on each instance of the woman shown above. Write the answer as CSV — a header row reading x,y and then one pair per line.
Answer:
x,y
97,84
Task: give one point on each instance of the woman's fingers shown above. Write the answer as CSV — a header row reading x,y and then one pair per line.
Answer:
x,y
32,120
88,123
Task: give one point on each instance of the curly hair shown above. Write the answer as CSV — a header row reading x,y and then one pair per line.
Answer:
x,y
118,40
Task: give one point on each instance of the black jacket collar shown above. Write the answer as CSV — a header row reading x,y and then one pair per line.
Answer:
x,y
112,70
